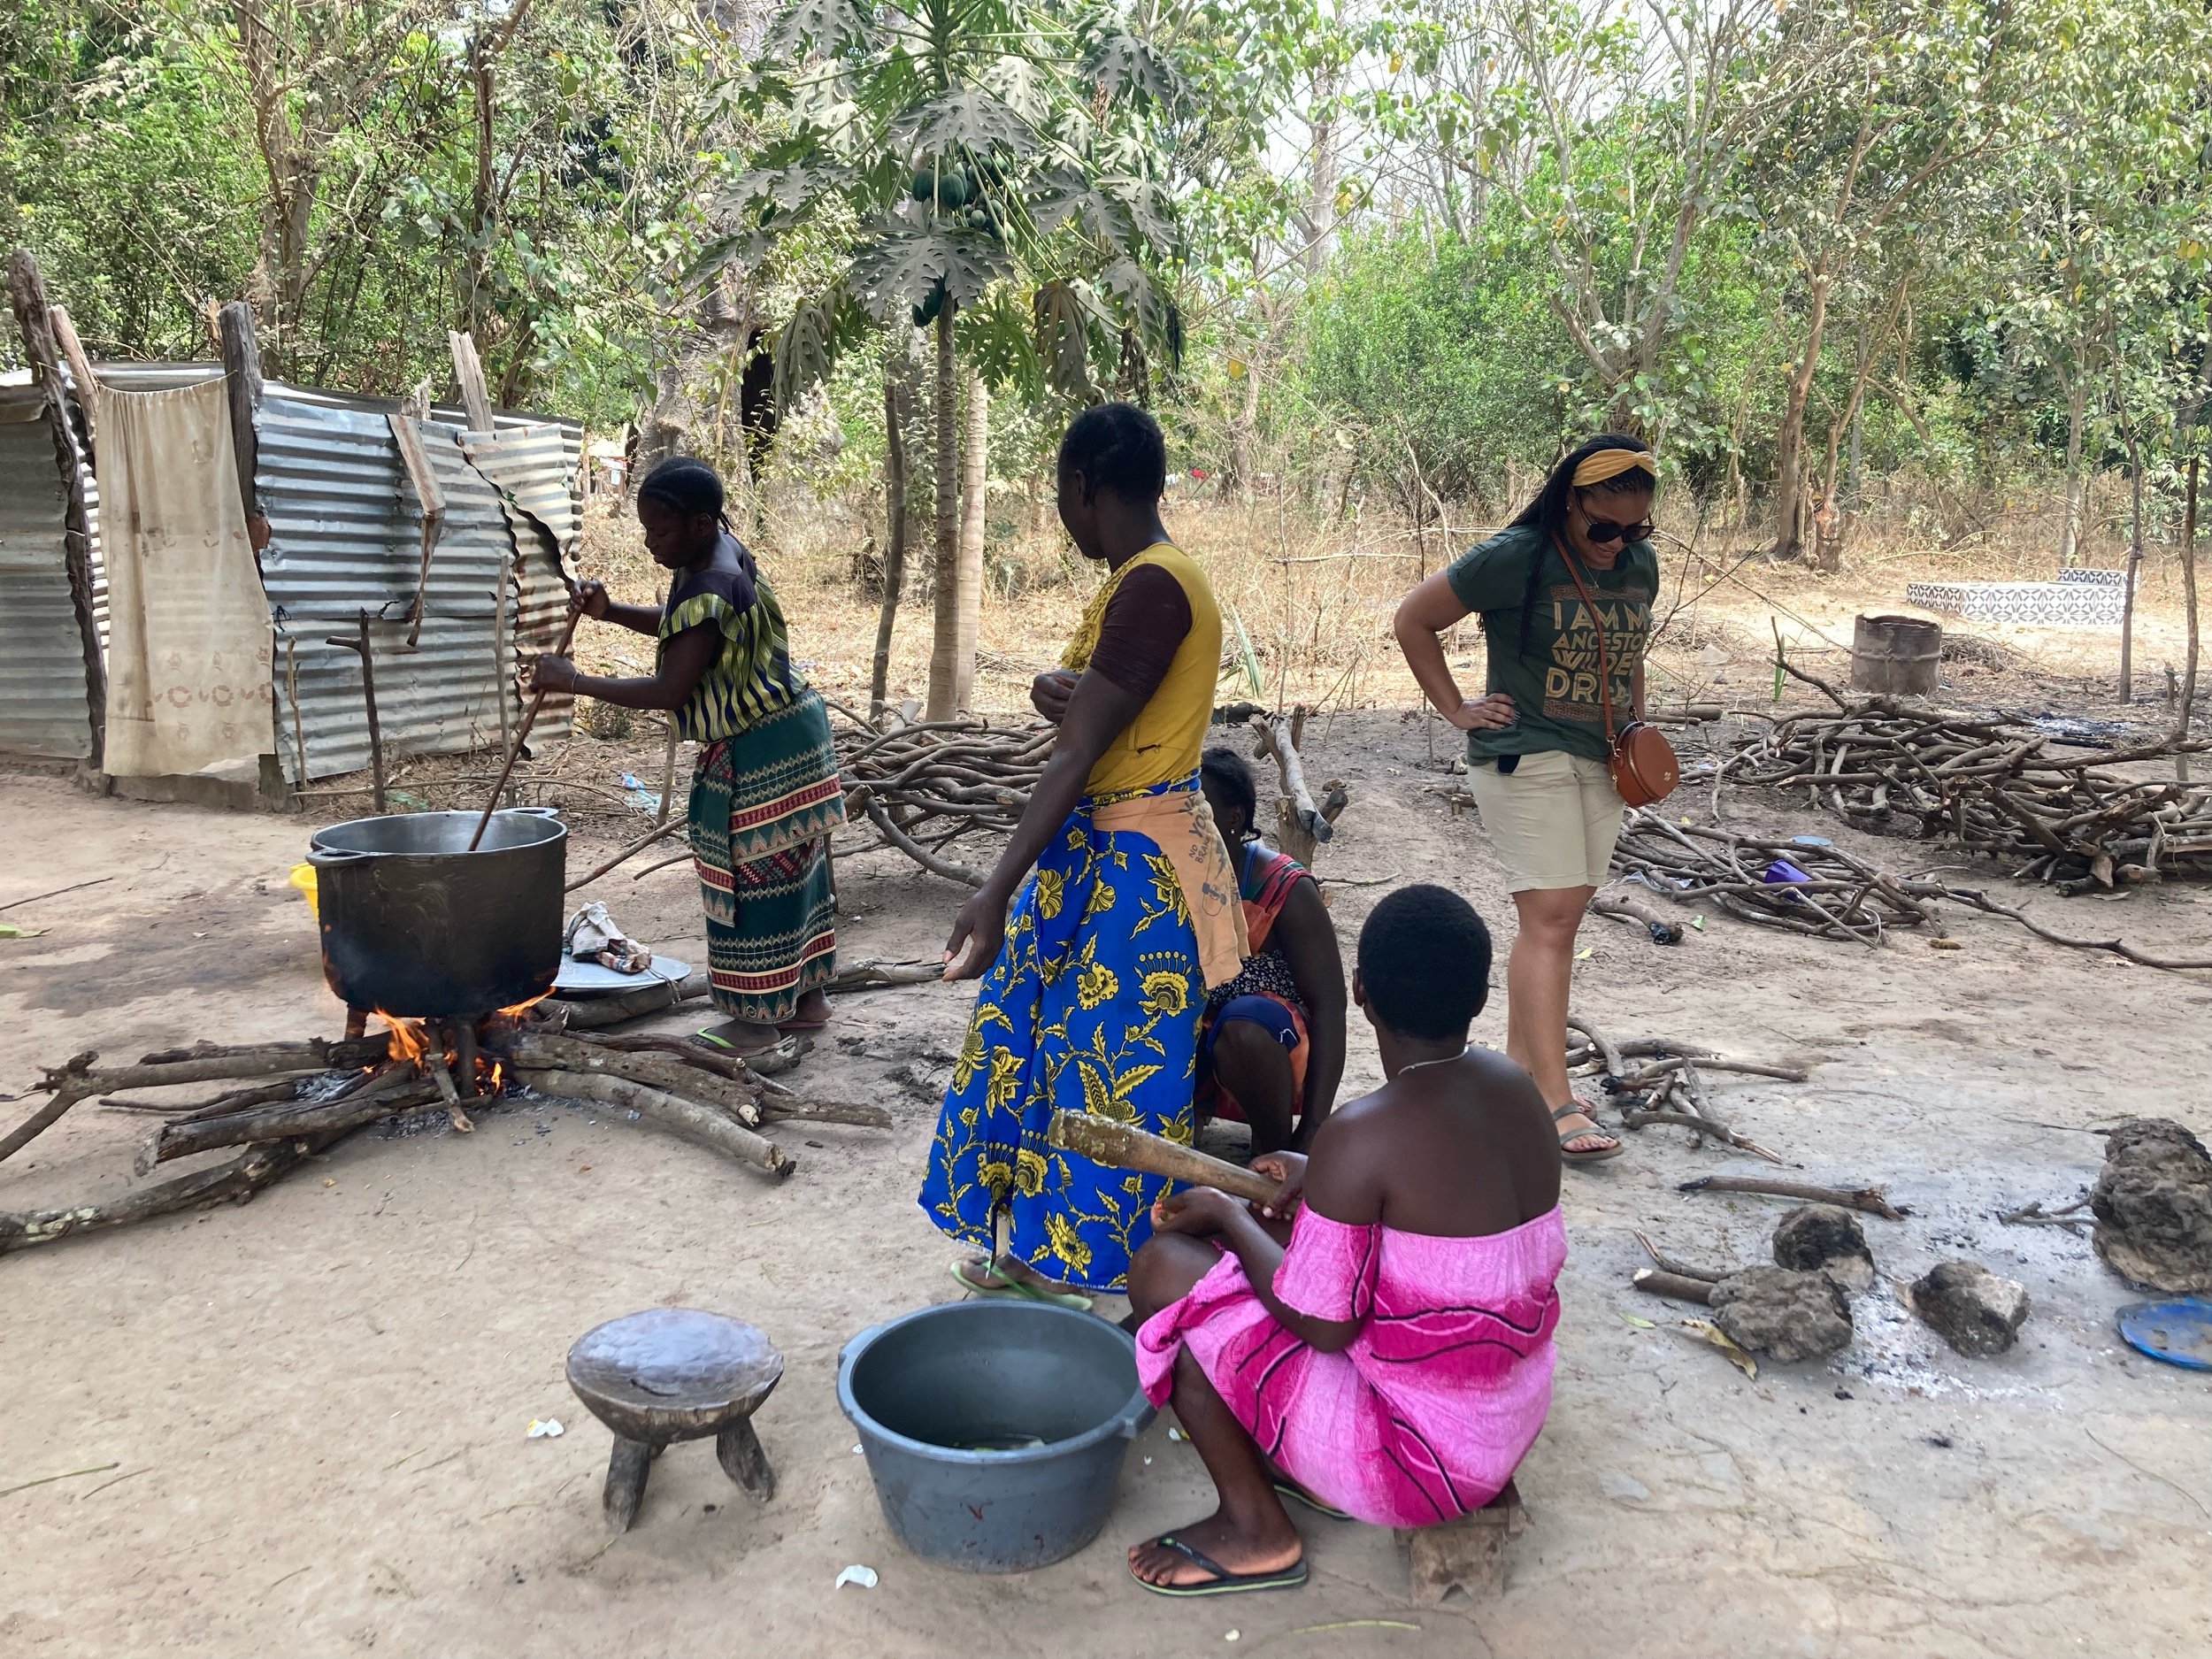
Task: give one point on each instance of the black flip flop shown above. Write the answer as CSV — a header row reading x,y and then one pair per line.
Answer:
x,y
1224,1582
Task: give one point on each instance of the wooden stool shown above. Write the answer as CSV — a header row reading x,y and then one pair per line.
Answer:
x,y
675,1374
1468,1553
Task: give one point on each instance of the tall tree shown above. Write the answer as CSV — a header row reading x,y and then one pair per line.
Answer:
x,y
984,165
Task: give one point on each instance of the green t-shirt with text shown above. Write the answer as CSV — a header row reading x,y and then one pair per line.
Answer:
x,y
1554,684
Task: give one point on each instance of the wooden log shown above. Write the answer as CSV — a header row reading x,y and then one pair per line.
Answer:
x,y
73,353
468,376
1667,1263
236,1180
1121,1147
590,1014
661,1070
1655,1282
1621,907
873,975
237,1100
431,497
929,861
1868,1199
705,1124
402,1089
1301,826
75,1080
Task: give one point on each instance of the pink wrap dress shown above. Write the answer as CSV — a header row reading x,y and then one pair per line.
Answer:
x,y
1427,1413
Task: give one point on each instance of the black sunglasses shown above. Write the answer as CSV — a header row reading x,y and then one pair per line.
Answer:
x,y
1606,531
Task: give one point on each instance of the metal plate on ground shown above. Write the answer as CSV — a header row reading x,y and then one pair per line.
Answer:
x,y
591,978
2178,1331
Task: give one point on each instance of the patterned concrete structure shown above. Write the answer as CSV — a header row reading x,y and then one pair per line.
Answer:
x,y
2078,599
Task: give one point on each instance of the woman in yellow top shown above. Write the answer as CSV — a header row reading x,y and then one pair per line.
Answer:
x,y
1096,977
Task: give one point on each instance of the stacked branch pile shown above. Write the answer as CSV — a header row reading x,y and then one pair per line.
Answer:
x,y
1992,788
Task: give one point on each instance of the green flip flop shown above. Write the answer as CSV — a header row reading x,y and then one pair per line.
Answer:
x,y
1224,1582
1014,1289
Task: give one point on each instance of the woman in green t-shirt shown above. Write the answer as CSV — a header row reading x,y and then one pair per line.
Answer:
x,y
1536,737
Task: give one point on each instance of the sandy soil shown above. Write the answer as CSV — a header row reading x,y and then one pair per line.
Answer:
x,y
307,1414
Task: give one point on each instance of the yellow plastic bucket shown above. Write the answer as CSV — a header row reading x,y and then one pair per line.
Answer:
x,y
304,878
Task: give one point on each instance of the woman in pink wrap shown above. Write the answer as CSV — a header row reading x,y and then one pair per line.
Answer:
x,y
1387,1356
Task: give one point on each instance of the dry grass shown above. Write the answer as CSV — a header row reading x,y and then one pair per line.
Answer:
x,y
1315,597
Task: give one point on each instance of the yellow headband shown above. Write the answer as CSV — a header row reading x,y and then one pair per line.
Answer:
x,y
1606,464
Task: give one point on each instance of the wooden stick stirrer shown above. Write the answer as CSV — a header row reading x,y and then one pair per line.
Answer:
x,y
522,733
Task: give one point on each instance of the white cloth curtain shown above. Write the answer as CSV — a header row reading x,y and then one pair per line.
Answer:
x,y
188,643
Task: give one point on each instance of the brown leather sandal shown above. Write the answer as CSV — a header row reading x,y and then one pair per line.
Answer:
x,y
1588,1154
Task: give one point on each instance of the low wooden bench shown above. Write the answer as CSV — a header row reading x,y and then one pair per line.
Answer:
x,y
1466,1555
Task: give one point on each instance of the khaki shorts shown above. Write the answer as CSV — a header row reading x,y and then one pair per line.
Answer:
x,y
1553,820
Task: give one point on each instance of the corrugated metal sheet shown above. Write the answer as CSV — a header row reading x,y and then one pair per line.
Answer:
x,y
535,468
41,655
346,532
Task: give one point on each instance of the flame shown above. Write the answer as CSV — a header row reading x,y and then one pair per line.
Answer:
x,y
403,1037
521,1009
498,1078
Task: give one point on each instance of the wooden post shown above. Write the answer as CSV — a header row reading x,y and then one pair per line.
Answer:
x,y
2134,566
432,499
80,371
242,370
468,374
368,694
26,292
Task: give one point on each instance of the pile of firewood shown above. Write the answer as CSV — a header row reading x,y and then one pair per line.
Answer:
x,y
1839,895
926,785
1992,787
310,1095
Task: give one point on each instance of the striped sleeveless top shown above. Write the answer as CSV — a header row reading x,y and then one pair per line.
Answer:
x,y
751,677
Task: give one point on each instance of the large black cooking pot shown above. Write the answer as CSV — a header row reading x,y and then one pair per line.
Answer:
x,y
413,923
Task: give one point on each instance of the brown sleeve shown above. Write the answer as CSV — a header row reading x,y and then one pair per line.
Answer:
x,y
1145,621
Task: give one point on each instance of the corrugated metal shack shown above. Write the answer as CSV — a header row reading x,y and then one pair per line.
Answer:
x,y
345,541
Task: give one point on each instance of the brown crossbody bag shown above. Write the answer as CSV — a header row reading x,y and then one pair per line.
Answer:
x,y
1641,760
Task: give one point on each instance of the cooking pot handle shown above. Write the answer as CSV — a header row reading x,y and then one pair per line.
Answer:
x,y
535,811
1134,1416
326,857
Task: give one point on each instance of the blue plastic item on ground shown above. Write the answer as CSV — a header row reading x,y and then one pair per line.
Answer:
x,y
1782,872
2178,1332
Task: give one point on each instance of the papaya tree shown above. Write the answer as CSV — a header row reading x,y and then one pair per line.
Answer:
x,y
990,172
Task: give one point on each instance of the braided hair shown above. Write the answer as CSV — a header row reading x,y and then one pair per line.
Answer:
x,y
1547,512
685,484
1116,446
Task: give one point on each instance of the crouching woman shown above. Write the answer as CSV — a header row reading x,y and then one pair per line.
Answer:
x,y
1391,1360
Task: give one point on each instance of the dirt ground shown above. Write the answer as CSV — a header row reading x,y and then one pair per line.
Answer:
x,y
305,1416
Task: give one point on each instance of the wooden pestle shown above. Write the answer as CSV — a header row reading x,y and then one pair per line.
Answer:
x,y
1120,1147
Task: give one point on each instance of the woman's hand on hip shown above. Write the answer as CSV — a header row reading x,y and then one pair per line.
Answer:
x,y
545,673
981,928
1484,713
591,599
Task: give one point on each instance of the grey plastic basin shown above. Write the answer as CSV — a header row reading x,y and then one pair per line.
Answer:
x,y
993,1431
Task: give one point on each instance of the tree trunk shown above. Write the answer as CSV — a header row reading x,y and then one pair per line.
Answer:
x,y
1319,219
975,474
2135,570
2189,613
1789,441
895,539
1237,482
951,658
2069,533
